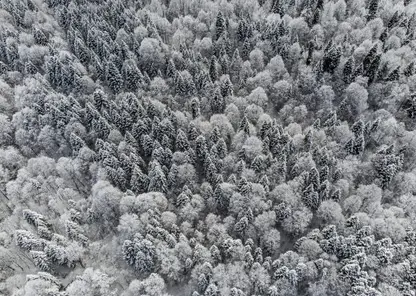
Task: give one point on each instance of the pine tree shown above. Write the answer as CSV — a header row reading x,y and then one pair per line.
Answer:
x,y
368,59
195,108
409,70
224,62
236,65
81,51
41,260
193,133
358,127
242,30
30,68
394,75
244,125
171,69
221,148
27,241
114,78
226,87
277,7
131,75
241,225
220,26
201,149
331,59
76,143
372,10
157,179
394,20
372,71
310,53
217,102
348,70
221,199
265,182
139,182
243,186
257,164
210,170
382,73
349,146
213,69
359,144
40,37
147,145
246,49
384,35
182,143
35,219
202,283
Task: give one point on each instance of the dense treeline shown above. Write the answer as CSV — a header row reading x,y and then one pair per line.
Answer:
x,y
206,148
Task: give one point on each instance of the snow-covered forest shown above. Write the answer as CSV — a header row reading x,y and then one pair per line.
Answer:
x,y
207,148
